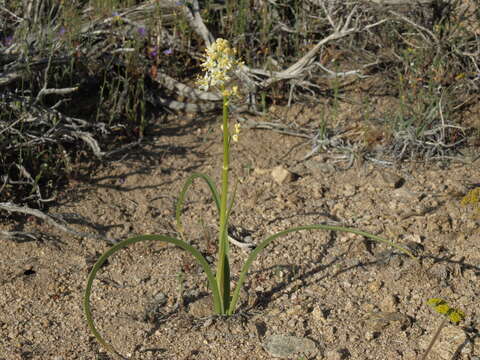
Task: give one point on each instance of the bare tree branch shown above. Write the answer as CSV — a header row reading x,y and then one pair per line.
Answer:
x,y
195,21
12,208
295,70
422,28
184,90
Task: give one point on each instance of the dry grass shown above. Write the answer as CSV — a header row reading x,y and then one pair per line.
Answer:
x,y
81,81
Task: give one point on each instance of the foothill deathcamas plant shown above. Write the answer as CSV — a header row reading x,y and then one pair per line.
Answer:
x,y
220,66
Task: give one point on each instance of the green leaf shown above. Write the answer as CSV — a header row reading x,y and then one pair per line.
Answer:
x,y
180,243
442,307
253,255
181,197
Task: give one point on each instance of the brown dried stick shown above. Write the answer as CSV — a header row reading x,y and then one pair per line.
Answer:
x,y
10,207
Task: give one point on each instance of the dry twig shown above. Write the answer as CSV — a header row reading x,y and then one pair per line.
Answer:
x,y
12,208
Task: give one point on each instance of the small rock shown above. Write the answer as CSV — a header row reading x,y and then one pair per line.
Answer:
x,y
318,168
376,322
207,323
294,310
339,354
415,238
319,315
405,195
375,285
160,299
286,347
300,169
391,180
282,175
260,328
389,303
260,172
349,190
370,335
410,354
201,308
442,272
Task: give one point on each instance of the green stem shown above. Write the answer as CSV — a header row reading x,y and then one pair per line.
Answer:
x,y
223,267
434,339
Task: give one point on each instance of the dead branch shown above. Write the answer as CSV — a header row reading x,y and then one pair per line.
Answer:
x,y
196,22
30,181
17,70
12,208
341,29
181,106
17,235
184,90
419,27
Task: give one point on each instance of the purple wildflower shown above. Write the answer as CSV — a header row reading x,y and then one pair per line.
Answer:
x,y
153,52
142,31
116,17
168,51
8,40
62,31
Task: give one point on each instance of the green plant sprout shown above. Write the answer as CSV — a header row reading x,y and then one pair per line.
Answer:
x,y
472,198
220,65
442,307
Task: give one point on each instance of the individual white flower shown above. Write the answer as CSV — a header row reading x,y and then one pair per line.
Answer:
x,y
237,128
236,132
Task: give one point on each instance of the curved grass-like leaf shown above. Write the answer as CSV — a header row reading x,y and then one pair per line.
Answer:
x,y
218,302
264,243
181,197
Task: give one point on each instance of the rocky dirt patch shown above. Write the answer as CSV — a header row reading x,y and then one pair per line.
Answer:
x,y
350,298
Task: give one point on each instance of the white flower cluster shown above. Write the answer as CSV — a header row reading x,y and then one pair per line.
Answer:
x,y
218,66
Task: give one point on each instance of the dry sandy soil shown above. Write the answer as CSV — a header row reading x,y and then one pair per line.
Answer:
x,y
352,298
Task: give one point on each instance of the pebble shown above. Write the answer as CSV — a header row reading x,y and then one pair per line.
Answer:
x,y
285,347
389,303
260,172
160,299
370,335
404,195
201,308
375,285
281,175
319,168
338,354
318,314
349,190
391,180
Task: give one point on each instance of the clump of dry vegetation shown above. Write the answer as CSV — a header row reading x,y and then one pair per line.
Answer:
x,y
81,81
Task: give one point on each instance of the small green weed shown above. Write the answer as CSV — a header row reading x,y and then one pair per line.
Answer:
x,y
442,307
472,198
